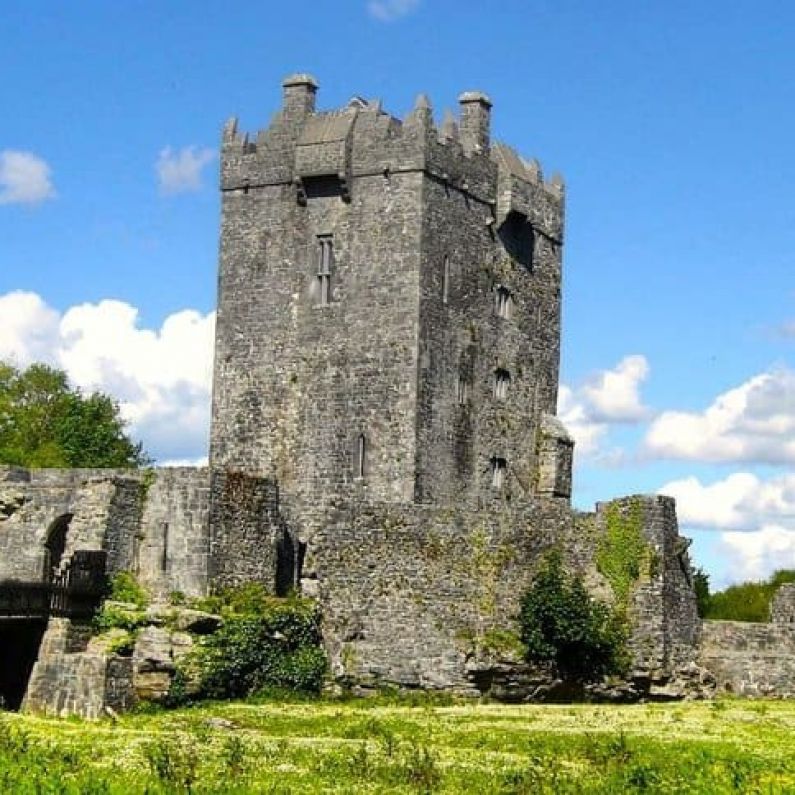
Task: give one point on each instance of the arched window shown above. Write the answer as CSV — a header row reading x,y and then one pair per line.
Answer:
x,y
498,467
502,380
503,303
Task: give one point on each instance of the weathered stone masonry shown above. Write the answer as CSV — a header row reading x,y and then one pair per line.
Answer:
x,y
383,437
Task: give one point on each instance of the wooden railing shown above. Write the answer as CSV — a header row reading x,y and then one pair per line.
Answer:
x,y
74,591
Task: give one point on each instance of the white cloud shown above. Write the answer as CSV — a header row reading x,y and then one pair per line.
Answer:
x,y
181,171
755,556
755,519
741,501
24,178
390,10
607,397
161,377
754,422
573,413
613,395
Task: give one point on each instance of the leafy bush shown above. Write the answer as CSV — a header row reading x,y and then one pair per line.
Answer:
x,y
563,626
125,588
748,601
264,643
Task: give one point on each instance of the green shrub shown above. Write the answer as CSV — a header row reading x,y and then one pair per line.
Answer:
x,y
125,588
264,643
563,626
113,617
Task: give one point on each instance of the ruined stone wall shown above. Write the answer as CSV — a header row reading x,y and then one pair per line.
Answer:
x,y
749,659
153,523
74,674
411,594
662,605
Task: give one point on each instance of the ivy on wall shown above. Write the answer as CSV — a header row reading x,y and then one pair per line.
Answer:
x,y
623,555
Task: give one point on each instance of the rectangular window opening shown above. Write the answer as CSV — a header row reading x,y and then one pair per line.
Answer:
x,y
325,263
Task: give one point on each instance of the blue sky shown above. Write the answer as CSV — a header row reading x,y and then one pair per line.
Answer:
x,y
672,124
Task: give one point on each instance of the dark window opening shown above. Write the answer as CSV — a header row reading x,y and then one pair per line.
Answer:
x,y
164,554
502,380
498,467
518,238
462,391
503,302
325,263
360,462
285,563
55,544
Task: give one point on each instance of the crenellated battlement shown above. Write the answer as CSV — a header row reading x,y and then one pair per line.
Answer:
x,y
362,140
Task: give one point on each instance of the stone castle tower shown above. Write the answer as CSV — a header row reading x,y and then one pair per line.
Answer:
x,y
389,309
384,437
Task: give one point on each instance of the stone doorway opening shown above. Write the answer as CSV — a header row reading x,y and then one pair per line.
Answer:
x,y
19,648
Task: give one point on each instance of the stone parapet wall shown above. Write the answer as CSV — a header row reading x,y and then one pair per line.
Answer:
x,y
153,523
749,659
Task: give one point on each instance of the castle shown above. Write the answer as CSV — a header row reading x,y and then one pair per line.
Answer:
x,y
383,439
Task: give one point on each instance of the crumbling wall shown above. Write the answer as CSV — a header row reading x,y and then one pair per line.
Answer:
x,y
749,659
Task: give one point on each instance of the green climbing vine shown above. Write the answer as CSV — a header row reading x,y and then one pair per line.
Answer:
x,y
623,554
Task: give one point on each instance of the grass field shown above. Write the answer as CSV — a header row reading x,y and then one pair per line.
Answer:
x,y
392,746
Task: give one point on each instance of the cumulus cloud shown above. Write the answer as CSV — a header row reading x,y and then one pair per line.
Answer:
x,y
390,10
606,397
161,377
613,395
742,501
755,556
755,519
180,171
755,422
24,178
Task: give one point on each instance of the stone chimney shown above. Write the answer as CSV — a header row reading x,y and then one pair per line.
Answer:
x,y
475,122
299,96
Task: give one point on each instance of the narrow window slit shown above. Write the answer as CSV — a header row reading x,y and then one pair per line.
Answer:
x,y
325,262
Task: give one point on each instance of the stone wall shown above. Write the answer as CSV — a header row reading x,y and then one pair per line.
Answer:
x,y
411,595
153,523
782,610
749,659
74,675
